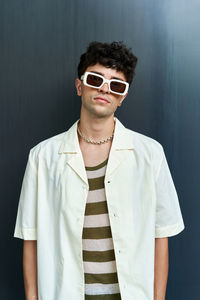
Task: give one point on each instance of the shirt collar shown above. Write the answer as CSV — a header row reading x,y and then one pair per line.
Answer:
x,y
122,140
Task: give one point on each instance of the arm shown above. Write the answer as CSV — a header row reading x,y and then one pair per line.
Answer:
x,y
161,268
30,269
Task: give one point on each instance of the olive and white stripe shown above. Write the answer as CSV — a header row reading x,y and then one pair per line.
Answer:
x,y
101,281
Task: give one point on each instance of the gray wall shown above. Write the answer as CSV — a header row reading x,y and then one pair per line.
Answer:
x,y
40,45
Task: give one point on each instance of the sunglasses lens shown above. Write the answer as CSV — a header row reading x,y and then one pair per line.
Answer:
x,y
118,87
94,80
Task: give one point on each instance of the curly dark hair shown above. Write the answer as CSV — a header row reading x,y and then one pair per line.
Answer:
x,y
114,55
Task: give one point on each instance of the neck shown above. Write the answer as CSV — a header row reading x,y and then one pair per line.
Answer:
x,y
96,128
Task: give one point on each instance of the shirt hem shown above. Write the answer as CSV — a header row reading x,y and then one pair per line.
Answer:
x,y
169,230
25,233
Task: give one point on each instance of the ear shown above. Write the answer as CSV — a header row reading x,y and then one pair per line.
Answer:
x,y
122,99
78,86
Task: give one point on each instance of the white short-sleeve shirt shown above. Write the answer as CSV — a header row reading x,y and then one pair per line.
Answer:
x,y
142,205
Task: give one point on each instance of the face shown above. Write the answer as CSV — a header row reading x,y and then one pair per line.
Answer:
x,y
92,98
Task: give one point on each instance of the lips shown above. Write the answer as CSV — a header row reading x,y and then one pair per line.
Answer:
x,y
101,99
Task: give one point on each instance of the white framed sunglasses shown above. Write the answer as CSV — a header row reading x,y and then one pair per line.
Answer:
x,y
96,81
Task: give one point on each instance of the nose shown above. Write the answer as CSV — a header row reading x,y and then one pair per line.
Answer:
x,y
104,88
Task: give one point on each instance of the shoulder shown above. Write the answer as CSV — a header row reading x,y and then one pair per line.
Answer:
x,y
139,141
146,143
148,149
47,148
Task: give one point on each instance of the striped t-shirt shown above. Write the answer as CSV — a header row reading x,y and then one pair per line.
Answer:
x,y
101,281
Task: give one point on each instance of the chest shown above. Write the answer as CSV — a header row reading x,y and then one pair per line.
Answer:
x,y
94,154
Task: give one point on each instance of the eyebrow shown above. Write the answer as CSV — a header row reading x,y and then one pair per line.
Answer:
x,y
103,75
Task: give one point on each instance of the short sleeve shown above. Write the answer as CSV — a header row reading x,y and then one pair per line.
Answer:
x,y
26,221
169,221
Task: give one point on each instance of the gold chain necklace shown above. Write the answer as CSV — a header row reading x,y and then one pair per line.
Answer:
x,y
95,142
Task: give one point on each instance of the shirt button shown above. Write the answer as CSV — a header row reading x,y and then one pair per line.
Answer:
x,y
119,251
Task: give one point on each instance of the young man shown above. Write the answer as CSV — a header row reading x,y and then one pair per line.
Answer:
x,y
98,202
